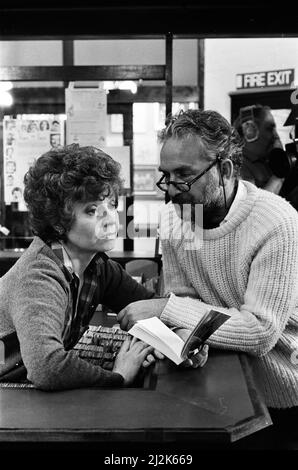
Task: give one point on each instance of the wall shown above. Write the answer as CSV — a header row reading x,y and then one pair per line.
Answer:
x,y
30,53
117,52
224,58
141,52
107,52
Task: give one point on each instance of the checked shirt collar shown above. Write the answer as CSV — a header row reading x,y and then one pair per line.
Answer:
x,y
77,317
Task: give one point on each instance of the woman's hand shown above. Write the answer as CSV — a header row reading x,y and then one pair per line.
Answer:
x,y
151,358
130,358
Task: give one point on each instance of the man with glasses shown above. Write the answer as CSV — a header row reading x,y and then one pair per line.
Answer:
x,y
245,262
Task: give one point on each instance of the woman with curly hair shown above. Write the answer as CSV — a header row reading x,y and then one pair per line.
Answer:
x,y
49,296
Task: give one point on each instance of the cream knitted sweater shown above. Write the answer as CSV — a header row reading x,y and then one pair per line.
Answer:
x,y
249,266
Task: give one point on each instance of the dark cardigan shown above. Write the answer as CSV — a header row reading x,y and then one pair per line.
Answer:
x,y
35,296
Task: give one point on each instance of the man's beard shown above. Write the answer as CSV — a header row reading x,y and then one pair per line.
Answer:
x,y
211,198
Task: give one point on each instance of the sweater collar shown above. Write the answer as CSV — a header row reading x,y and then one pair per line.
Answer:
x,y
241,194
236,215
240,212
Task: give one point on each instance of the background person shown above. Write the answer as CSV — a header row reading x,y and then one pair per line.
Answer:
x,y
55,127
55,140
44,125
9,180
257,127
10,166
32,126
17,194
9,152
10,138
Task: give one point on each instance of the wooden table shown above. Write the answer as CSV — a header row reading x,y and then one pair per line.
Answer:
x,y
215,404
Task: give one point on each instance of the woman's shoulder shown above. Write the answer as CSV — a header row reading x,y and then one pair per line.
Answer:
x,y
38,261
39,253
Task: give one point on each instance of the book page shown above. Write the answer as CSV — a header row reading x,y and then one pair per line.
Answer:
x,y
154,332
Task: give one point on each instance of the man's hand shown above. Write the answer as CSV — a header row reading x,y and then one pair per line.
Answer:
x,y
139,311
197,360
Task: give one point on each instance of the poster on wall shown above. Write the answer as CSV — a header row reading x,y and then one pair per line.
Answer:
x,y
86,111
26,138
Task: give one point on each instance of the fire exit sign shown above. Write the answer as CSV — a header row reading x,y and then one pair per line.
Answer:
x,y
276,78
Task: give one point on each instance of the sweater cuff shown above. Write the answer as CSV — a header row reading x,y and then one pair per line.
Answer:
x,y
110,379
183,312
118,379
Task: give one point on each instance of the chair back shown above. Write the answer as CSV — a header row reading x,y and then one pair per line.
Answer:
x,y
142,267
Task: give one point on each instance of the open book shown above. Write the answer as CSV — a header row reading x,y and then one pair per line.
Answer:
x,y
154,332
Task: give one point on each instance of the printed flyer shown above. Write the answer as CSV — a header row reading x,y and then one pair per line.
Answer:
x,y
86,110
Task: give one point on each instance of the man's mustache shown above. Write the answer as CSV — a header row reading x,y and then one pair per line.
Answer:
x,y
181,200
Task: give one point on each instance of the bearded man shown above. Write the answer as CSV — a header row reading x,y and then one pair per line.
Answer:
x,y
243,260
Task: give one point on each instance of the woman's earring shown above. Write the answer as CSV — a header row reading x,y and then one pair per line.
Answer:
x,y
59,229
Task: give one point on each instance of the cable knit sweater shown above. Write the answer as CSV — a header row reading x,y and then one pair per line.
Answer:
x,y
249,267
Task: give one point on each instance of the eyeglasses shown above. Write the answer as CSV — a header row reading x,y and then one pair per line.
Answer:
x,y
183,186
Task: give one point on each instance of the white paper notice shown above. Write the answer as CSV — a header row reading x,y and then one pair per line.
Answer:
x,y
86,110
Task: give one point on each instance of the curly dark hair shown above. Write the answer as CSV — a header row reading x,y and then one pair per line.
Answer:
x,y
213,129
61,177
